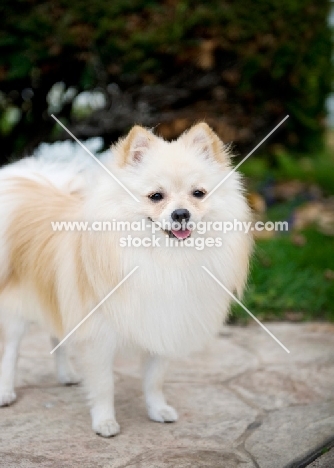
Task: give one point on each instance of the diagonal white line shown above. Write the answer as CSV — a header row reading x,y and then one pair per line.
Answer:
x,y
95,308
246,157
95,158
245,308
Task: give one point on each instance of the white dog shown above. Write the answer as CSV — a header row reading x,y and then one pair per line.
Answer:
x,y
169,307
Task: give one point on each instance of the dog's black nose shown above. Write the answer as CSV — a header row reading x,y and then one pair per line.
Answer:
x,y
180,215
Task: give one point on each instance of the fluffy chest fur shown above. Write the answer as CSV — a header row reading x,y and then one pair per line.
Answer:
x,y
170,306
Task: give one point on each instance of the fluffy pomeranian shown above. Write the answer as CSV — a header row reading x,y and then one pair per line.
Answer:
x,y
169,307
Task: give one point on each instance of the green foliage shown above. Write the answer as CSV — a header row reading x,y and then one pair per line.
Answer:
x,y
285,277
279,50
313,169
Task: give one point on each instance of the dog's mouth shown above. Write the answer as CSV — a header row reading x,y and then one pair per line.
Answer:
x,y
179,234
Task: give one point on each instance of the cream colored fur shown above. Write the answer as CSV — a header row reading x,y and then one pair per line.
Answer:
x,y
170,306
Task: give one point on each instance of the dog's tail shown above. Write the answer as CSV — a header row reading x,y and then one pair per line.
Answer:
x,y
65,164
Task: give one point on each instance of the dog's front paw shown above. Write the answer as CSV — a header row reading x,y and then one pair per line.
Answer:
x,y
7,397
164,413
107,428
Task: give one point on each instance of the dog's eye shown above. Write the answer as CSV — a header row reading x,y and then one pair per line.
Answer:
x,y
155,197
198,193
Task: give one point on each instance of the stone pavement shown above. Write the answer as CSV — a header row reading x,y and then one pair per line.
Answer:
x,y
243,403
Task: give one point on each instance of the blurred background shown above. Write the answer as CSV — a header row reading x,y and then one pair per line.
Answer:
x,y
102,66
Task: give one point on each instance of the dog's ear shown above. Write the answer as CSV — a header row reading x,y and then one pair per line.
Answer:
x,y
206,141
132,148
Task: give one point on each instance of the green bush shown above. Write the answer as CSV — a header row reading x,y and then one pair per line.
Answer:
x,y
285,277
274,57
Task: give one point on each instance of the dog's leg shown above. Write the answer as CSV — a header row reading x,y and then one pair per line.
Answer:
x,y
97,364
65,372
157,407
13,328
